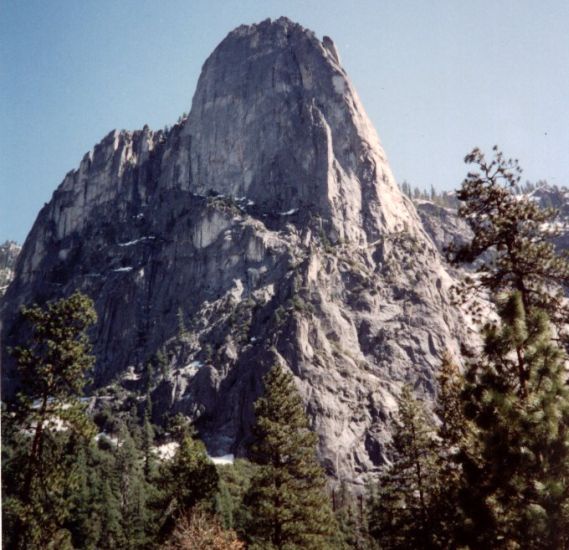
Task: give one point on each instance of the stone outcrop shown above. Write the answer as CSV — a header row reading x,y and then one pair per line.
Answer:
x,y
9,252
265,227
443,224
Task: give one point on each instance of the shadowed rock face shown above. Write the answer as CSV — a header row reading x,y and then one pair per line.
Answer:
x,y
266,227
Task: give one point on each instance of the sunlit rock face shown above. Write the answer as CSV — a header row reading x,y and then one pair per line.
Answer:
x,y
276,119
9,252
266,227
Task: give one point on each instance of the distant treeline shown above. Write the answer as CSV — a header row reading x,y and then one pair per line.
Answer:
x,y
448,199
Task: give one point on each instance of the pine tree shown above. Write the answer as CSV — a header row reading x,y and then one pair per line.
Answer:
x,y
189,479
95,522
52,368
112,534
234,481
287,503
512,237
147,440
453,436
516,468
147,451
352,518
83,523
131,483
402,510
514,459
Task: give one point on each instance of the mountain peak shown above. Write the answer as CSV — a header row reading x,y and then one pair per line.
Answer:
x,y
266,227
276,119
269,25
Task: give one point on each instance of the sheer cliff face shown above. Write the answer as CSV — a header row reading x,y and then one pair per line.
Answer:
x,y
266,227
276,119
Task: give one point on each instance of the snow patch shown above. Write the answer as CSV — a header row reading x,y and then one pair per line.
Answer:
x,y
223,460
130,374
122,269
136,241
166,451
289,212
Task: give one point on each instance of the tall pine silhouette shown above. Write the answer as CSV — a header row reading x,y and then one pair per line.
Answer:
x,y
512,237
287,503
402,511
516,468
47,425
515,459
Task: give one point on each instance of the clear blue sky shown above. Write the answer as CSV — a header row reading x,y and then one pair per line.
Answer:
x,y
436,77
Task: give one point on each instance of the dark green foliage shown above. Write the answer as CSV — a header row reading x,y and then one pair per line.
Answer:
x,y
129,477
453,428
516,467
351,515
147,443
111,534
186,480
287,503
415,504
64,488
513,450
234,481
96,521
453,436
114,507
47,425
402,510
120,505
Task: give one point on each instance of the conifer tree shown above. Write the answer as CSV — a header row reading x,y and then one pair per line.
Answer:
x,y
95,523
147,440
234,481
131,486
287,503
84,523
453,435
188,479
514,459
516,469
402,510
112,534
511,235
352,518
52,367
